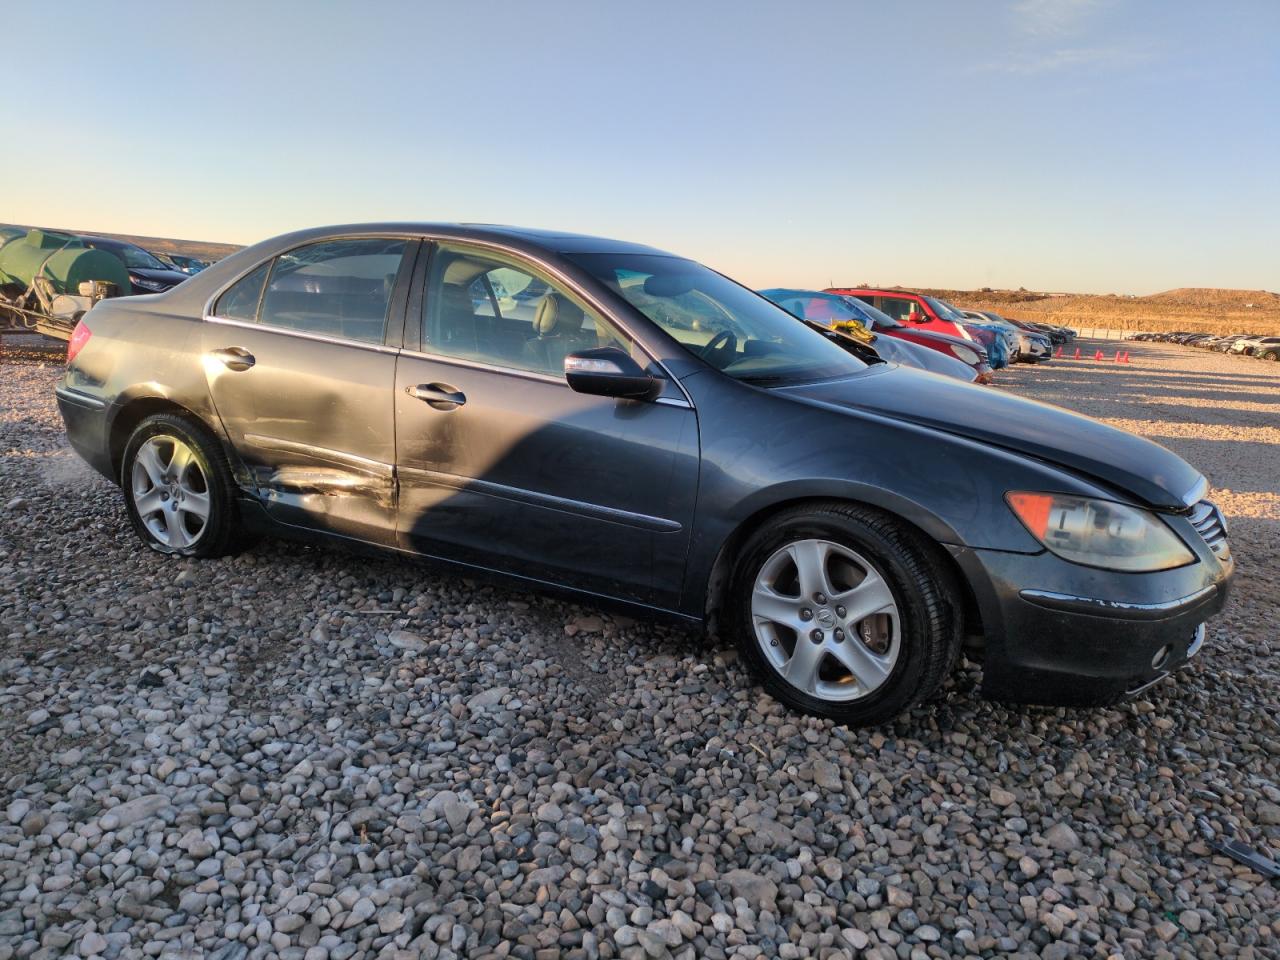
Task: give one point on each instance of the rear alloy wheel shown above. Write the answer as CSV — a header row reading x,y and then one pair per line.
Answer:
x,y
178,488
1270,355
842,613
170,492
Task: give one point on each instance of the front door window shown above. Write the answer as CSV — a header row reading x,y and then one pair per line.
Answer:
x,y
500,312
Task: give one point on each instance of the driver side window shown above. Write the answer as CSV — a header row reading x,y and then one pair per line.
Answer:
x,y
486,308
897,307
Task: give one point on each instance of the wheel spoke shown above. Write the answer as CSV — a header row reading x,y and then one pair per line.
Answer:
x,y
872,595
767,604
150,461
175,529
810,558
869,667
148,503
180,461
801,670
195,503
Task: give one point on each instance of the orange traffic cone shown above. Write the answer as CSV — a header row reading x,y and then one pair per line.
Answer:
x,y
1059,353
1077,356
1116,358
1098,355
1126,357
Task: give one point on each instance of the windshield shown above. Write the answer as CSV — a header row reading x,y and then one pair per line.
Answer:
x,y
135,257
945,310
719,321
827,308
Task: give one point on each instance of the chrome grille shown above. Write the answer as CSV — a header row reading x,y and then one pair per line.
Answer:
x,y
1209,523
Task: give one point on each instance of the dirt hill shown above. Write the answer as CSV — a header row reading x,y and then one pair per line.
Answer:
x,y
1187,308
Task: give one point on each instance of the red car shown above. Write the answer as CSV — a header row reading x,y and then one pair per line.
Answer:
x,y
946,336
920,311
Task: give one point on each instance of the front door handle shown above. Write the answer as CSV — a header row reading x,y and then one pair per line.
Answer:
x,y
234,358
438,396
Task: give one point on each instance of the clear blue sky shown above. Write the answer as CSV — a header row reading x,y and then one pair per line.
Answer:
x,y
1094,145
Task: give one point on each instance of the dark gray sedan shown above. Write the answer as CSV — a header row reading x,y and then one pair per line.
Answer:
x,y
627,424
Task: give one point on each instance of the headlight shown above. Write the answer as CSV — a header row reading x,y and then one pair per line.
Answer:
x,y
145,284
961,352
1098,533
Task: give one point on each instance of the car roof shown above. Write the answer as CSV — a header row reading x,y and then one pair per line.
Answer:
x,y
883,291
553,241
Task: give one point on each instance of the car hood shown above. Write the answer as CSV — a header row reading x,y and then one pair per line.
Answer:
x,y
917,335
1144,469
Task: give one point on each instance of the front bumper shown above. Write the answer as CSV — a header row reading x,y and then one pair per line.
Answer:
x,y
1061,634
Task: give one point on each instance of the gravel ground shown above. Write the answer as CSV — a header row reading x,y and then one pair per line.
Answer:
x,y
297,753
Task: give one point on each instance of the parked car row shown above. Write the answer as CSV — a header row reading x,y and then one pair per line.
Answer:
x,y
913,328
625,423
147,272
1246,344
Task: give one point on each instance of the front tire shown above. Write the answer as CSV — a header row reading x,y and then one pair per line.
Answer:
x,y
178,488
843,612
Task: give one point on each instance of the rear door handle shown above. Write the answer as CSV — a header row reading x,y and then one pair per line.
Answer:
x,y
234,358
438,396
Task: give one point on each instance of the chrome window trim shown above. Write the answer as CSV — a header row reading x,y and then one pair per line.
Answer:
x,y
376,235
550,378
303,335
434,238
486,367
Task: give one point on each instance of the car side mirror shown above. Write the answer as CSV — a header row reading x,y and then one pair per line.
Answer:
x,y
609,372
915,317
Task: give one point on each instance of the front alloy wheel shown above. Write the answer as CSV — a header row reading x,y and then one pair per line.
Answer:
x,y
826,620
844,612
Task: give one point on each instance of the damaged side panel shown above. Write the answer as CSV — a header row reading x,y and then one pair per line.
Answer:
x,y
312,423
323,488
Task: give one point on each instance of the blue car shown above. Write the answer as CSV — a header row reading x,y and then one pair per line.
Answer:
x,y
835,311
1002,347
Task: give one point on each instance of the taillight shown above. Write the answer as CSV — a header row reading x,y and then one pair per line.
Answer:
x,y
79,337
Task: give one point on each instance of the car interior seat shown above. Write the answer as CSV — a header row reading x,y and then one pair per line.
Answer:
x,y
456,326
558,332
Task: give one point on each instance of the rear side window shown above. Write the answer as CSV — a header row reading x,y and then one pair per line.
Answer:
x,y
335,288
240,302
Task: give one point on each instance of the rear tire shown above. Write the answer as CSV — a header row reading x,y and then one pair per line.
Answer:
x,y
1270,355
896,640
178,488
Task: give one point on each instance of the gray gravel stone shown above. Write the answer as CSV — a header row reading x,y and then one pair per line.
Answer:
x,y
293,752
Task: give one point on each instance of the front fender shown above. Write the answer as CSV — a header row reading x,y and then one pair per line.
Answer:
x,y
763,450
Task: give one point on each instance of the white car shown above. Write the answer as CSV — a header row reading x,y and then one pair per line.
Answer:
x,y
1245,345
1028,349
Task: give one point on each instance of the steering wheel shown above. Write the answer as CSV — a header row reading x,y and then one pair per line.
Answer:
x,y
723,342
